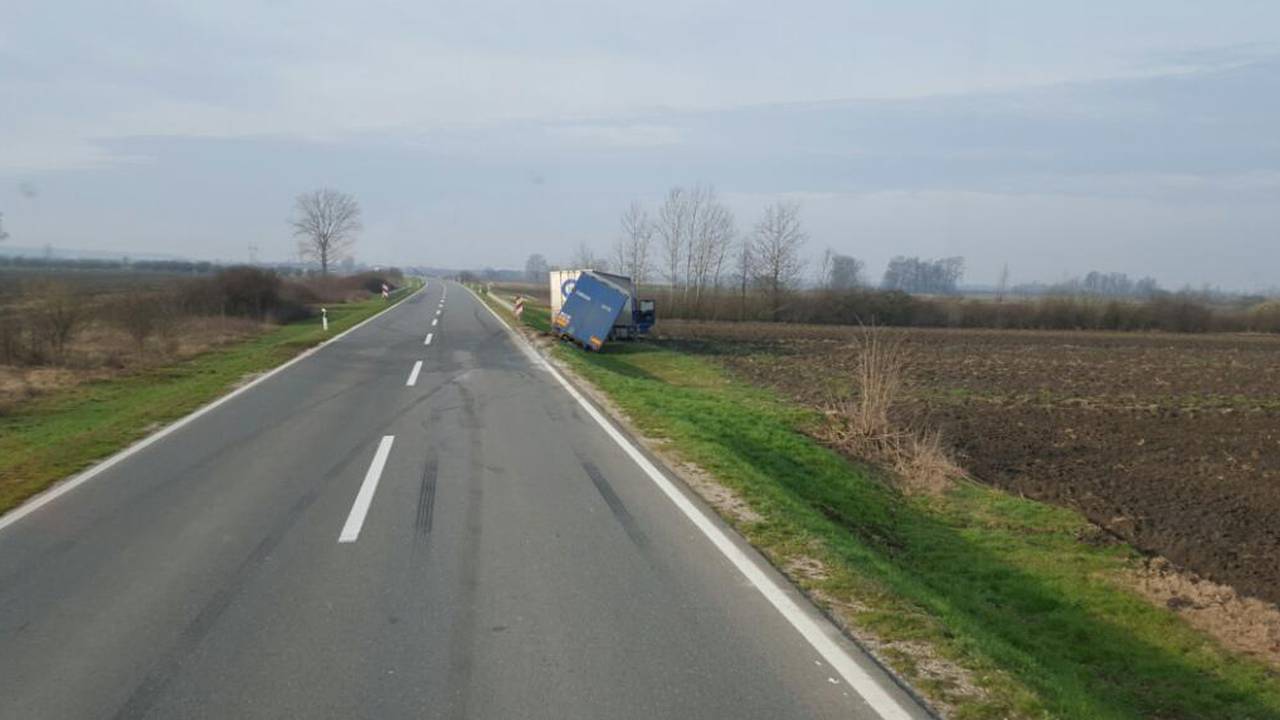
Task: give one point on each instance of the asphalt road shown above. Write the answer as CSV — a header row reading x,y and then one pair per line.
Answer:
x,y
360,536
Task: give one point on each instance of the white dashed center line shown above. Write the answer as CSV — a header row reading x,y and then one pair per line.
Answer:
x,y
364,498
413,374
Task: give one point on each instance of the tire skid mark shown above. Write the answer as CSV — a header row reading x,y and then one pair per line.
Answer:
x,y
616,506
426,497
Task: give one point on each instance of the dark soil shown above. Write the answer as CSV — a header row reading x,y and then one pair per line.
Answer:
x,y
1169,441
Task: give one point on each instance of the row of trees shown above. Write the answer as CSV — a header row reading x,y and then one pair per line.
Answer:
x,y
933,277
691,243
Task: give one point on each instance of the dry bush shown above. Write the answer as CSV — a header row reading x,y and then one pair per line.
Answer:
x,y
340,288
880,368
138,315
863,423
243,292
58,313
1265,317
924,464
12,334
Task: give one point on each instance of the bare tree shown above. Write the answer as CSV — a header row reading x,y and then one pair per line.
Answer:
x,y
670,229
631,252
824,269
710,234
1002,284
584,258
744,271
536,268
776,244
325,222
3,235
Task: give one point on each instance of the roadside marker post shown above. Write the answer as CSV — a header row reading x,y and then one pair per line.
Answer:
x,y
519,308
324,319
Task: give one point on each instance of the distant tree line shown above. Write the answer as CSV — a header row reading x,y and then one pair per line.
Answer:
x,y
688,252
1096,284
932,277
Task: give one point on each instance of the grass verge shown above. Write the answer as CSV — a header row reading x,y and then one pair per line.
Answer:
x,y
1017,602
536,317
56,435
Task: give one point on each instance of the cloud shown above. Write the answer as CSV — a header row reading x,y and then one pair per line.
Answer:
x,y
611,136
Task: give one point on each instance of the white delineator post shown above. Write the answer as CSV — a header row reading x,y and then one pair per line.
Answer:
x,y
324,319
519,308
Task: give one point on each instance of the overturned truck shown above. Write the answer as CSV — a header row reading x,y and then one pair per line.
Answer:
x,y
591,308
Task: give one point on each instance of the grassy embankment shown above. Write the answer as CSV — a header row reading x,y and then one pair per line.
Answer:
x,y
55,435
1018,595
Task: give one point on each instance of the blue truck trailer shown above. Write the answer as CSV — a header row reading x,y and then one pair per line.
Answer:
x,y
602,307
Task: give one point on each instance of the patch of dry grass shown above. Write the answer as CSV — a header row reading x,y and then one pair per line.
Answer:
x,y
862,424
102,350
1244,624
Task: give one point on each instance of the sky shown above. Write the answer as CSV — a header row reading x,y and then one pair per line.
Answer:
x,y
1136,137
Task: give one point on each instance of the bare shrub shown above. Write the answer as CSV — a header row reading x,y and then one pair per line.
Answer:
x,y
11,335
924,464
58,313
242,292
138,316
881,361
1265,317
863,422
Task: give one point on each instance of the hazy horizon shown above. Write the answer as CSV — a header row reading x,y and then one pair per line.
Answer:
x,y
1058,140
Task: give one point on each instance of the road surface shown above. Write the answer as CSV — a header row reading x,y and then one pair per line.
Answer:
x,y
415,521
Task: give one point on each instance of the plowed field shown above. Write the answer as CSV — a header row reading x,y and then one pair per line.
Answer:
x,y
1171,442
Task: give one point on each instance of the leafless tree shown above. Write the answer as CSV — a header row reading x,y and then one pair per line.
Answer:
x,y
776,244
584,258
670,229
744,271
631,251
3,235
1002,284
824,269
696,202
325,222
536,268
710,235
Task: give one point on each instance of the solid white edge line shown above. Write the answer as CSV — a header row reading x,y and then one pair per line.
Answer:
x,y
39,500
413,374
364,498
428,340
884,704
